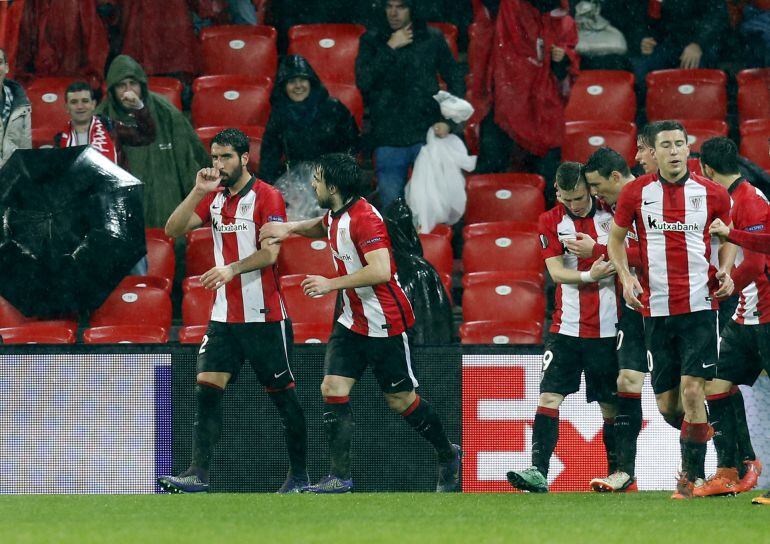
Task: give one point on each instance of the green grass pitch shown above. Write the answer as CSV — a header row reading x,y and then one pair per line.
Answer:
x,y
392,518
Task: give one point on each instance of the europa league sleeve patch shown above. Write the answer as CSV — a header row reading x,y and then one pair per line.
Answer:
x,y
544,241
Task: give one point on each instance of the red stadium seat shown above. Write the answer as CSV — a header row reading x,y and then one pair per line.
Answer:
x,y
582,138
11,317
158,233
125,334
503,301
196,306
139,306
206,134
223,80
700,130
512,251
157,282
160,258
46,95
191,282
602,95
498,228
437,250
686,94
533,277
43,136
300,255
302,308
514,202
239,49
193,334
501,332
474,181
169,88
231,105
350,96
331,49
450,35
443,230
311,333
754,94
754,141
39,333
199,254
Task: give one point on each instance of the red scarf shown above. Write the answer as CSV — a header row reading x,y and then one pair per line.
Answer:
x,y
98,137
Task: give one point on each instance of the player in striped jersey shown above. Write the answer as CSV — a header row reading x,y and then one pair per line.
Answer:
x,y
677,285
248,319
582,335
372,327
745,342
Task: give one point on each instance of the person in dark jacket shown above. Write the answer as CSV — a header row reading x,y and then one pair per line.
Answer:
x,y
305,122
396,70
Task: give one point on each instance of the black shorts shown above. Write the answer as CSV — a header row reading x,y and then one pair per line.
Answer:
x,y
632,353
349,353
743,352
681,345
567,357
265,345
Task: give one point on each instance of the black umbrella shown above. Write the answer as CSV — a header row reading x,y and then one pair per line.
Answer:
x,y
72,227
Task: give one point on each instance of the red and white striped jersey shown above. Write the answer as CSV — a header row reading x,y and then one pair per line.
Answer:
x,y
751,212
672,221
235,221
379,310
587,310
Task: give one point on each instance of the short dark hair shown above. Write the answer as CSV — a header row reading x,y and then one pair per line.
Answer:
x,y
569,175
605,161
341,170
721,154
76,87
232,137
662,126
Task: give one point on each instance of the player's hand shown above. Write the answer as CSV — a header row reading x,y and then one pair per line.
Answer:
x,y
719,229
401,37
601,269
690,57
648,46
557,53
274,232
726,285
316,286
207,180
631,290
131,101
582,247
441,129
217,277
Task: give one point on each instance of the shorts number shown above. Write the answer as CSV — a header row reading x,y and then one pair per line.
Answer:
x,y
205,341
649,360
547,358
619,342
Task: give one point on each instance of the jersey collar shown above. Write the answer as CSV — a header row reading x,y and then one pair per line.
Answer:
x,y
681,181
346,207
246,188
735,185
588,216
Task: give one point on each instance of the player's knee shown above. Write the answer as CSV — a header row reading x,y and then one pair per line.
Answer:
x,y
550,400
399,402
630,381
693,393
331,387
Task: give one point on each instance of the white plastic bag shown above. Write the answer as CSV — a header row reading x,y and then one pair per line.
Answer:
x,y
436,191
453,107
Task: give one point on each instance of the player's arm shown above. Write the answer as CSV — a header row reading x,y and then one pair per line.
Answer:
x,y
220,275
184,219
277,232
753,241
616,248
375,272
560,274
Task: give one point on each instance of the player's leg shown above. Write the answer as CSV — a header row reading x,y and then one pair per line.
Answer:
x,y
721,417
562,368
268,348
219,360
670,406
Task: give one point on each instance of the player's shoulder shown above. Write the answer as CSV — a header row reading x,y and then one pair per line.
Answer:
x,y
262,187
710,185
551,218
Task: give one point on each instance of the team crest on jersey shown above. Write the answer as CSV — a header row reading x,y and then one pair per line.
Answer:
x,y
605,225
245,208
343,232
696,201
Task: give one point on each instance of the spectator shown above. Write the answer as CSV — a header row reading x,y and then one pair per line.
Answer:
x,y
305,122
167,166
101,133
15,113
396,70
62,38
532,61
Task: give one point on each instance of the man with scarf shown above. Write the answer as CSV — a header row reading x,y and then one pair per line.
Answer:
x,y
168,164
531,60
104,135
396,71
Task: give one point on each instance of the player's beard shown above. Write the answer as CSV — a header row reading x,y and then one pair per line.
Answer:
x,y
231,178
324,202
